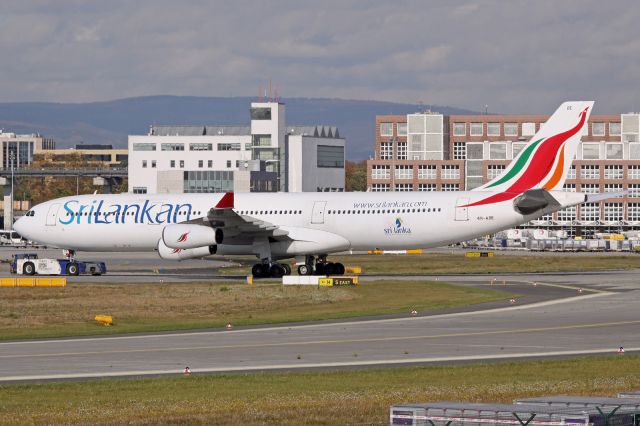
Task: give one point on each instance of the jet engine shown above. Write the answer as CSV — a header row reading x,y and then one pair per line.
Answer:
x,y
188,236
182,254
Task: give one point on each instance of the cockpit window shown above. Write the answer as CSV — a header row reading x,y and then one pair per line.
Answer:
x,y
30,213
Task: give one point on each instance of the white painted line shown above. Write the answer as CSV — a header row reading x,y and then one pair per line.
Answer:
x,y
372,363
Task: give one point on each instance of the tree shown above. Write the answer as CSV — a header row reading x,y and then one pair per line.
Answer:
x,y
355,176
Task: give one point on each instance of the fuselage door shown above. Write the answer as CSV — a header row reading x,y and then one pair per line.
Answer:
x,y
462,213
317,216
52,214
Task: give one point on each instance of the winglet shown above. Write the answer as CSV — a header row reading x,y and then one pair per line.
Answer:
x,y
226,202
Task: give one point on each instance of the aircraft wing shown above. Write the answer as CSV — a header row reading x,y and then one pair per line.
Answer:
x,y
237,228
593,198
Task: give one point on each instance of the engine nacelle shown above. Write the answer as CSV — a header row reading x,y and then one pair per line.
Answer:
x,y
187,236
182,254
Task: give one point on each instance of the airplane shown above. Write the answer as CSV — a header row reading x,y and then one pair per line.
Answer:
x,y
310,226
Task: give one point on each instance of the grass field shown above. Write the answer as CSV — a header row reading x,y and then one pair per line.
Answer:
x,y
69,311
328,398
457,263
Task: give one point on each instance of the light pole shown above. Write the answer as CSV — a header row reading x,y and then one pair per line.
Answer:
x,y
12,157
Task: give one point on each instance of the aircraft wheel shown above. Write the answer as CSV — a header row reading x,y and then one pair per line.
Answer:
x,y
277,270
338,268
258,270
29,268
287,269
305,270
329,269
72,269
321,269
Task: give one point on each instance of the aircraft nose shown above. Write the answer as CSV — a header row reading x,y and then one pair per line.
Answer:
x,y
20,226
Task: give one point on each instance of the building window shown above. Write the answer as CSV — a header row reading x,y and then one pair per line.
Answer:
x,y
493,129
475,151
613,171
427,172
210,164
516,148
228,164
590,171
261,113
633,172
144,164
495,170
459,129
386,150
426,187
402,150
200,147
633,212
568,214
614,129
200,163
590,212
386,129
380,172
404,172
497,151
139,189
259,140
450,171
613,187
450,187
172,163
590,188
590,151
569,187
228,147
404,187
634,190
511,129
402,129
597,128
330,156
572,172
206,181
172,147
613,212
528,129
153,164
380,187
182,164
613,151
476,129
459,151
144,146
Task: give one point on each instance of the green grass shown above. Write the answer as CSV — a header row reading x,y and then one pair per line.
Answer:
x,y
328,397
457,263
69,311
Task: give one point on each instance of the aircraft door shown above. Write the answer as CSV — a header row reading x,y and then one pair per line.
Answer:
x,y
462,213
52,214
317,216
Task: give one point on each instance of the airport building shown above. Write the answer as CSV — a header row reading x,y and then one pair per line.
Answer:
x,y
434,152
266,155
18,150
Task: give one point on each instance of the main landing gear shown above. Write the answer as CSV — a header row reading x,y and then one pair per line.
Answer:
x,y
320,266
270,270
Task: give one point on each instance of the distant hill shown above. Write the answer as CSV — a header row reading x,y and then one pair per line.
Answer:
x,y
111,122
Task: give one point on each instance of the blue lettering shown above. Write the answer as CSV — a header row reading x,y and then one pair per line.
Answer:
x,y
164,215
70,213
177,212
146,212
99,213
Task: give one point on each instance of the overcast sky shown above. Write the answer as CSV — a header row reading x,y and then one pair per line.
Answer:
x,y
514,56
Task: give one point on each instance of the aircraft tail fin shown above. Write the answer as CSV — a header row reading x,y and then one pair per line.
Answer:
x,y
546,160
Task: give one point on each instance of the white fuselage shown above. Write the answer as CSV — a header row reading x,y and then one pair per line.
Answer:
x,y
346,221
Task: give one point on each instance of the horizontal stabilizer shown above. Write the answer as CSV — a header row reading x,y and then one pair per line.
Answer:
x,y
594,198
533,200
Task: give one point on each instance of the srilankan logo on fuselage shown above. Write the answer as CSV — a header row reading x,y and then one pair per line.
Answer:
x,y
398,228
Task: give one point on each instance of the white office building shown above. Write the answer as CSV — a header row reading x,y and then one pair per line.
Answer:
x,y
265,156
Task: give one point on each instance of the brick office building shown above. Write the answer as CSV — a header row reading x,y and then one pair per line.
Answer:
x,y
433,152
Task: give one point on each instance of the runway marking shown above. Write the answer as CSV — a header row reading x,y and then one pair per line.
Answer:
x,y
324,342
285,327
362,363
